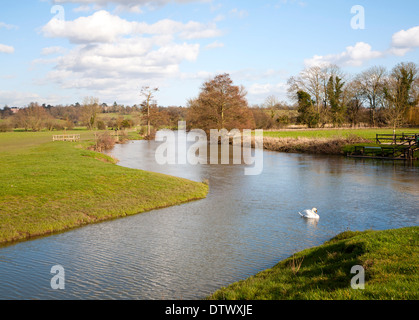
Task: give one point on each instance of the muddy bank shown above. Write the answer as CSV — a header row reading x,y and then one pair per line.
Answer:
x,y
327,146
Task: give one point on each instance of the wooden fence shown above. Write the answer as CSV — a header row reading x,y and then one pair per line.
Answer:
x,y
66,137
398,139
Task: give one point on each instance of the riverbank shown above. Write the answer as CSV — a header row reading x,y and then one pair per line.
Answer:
x,y
49,187
390,259
323,141
325,146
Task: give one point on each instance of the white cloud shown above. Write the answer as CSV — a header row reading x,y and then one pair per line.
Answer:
x,y
400,52
82,8
267,89
116,70
20,98
258,92
52,50
104,27
406,39
215,44
133,6
99,27
6,49
7,26
132,9
127,3
113,56
402,42
288,2
352,56
129,58
239,13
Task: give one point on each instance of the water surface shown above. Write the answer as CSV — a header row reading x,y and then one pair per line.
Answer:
x,y
245,225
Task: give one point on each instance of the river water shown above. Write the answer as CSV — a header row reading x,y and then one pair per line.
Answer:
x,y
245,225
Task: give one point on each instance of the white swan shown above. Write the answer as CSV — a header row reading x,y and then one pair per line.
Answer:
x,y
310,214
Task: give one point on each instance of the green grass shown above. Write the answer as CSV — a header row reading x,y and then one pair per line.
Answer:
x,y
50,186
369,134
390,259
326,141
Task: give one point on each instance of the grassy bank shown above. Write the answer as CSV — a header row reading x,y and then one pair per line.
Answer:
x,y
50,186
390,259
326,146
369,134
323,141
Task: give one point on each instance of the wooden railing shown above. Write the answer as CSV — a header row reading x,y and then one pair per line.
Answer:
x,y
390,146
66,137
398,139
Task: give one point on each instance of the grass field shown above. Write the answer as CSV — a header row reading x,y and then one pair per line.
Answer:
x,y
390,259
48,186
369,134
325,141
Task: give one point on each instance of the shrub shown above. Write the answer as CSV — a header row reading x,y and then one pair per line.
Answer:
x,y
104,141
5,127
127,123
101,125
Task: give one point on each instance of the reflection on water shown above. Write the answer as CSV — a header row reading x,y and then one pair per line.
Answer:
x,y
245,225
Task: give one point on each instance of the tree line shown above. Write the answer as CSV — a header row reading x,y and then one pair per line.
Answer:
x,y
320,97
325,95
90,114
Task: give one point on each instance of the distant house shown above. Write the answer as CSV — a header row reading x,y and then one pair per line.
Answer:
x,y
14,110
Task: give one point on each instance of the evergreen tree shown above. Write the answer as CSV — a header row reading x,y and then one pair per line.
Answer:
x,y
306,109
335,93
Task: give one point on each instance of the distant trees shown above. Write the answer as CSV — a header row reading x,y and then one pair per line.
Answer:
x,y
320,96
307,113
89,112
335,96
34,117
148,94
324,95
355,111
401,92
370,85
6,112
220,105
316,82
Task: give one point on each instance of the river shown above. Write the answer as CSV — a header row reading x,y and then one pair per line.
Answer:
x,y
245,225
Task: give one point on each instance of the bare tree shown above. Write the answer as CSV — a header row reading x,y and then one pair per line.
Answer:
x,y
310,80
271,102
32,117
353,102
148,94
401,92
371,87
89,112
314,81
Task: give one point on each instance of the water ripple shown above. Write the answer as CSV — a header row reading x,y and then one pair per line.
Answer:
x,y
245,225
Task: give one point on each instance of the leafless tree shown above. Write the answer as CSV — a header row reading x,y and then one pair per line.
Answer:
x,y
314,80
32,117
89,112
370,84
401,92
148,93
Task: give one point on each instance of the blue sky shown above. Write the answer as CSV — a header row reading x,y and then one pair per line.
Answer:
x,y
58,52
